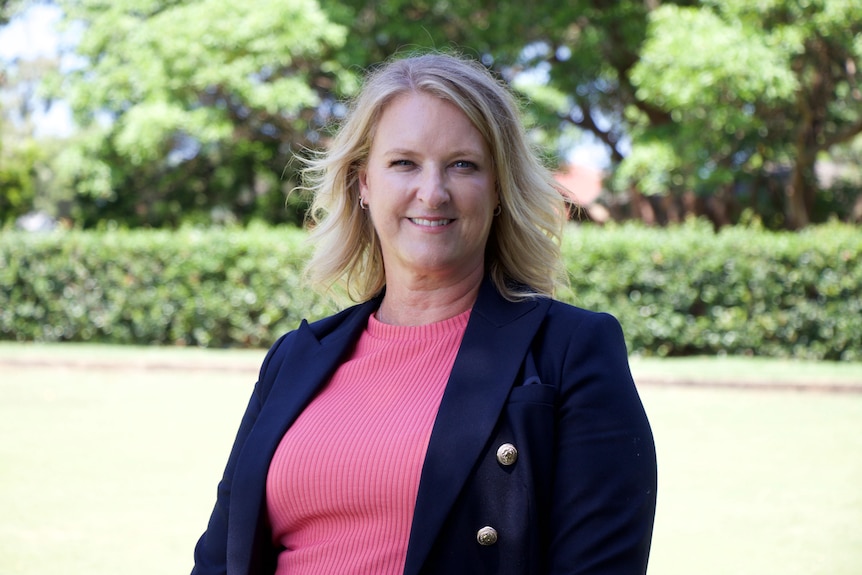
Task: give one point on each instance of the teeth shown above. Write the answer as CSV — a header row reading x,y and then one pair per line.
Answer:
x,y
430,223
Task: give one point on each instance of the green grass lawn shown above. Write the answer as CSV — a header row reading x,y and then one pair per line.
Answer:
x,y
106,471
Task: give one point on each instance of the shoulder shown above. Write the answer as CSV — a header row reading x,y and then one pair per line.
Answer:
x,y
560,321
348,322
562,314
577,333
344,319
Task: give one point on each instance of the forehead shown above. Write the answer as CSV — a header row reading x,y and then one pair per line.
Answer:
x,y
420,116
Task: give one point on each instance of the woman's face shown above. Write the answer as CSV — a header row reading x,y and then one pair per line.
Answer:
x,y
430,188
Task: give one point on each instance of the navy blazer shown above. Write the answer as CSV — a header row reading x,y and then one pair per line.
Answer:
x,y
550,379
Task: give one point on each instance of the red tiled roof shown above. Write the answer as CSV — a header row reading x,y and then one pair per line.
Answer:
x,y
583,183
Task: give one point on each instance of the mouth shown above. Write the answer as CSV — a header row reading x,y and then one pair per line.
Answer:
x,y
430,223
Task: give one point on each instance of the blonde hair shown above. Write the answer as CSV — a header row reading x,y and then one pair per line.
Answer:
x,y
523,252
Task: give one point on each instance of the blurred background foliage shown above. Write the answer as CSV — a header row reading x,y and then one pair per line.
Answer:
x,y
686,290
191,111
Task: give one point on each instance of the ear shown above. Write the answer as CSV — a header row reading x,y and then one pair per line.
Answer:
x,y
363,181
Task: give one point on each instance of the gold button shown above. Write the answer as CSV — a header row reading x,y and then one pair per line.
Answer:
x,y
507,454
486,536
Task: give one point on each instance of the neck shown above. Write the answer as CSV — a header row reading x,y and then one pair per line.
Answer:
x,y
424,302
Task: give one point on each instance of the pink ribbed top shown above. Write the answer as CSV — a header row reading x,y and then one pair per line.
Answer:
x,y
342,483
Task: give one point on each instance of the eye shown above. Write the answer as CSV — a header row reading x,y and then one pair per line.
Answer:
x,y
465,165
400,163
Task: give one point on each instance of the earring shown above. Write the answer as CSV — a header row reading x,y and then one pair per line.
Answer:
x,y
498,210
362,203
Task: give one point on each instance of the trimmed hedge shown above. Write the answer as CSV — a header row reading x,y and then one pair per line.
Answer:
x,y
679,291
746,291
211,288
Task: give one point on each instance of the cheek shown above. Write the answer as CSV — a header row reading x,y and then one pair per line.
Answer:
x,y
380,215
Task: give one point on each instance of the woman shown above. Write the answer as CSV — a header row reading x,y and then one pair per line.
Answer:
x,y
458,420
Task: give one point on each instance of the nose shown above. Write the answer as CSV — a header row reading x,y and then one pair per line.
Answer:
x,y
433,190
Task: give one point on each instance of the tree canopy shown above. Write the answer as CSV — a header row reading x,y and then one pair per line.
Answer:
x,y
755,91
193,109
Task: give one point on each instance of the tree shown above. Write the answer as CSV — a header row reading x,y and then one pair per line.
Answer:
x,y
696,101
17,176
717,81
756,93
191,108
20,155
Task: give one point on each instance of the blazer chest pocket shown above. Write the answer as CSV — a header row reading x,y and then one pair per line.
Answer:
x,y
534,393
531,419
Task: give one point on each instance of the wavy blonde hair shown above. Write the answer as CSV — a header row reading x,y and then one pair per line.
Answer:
x,y
522,256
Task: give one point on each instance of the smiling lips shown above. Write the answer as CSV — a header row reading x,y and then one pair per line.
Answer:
x,y
430,223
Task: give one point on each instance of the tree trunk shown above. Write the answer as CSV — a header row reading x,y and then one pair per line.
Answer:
x,y
796,213
642,208
801,190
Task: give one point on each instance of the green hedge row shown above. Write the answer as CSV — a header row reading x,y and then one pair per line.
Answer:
x,y
212,288
679,291
741,291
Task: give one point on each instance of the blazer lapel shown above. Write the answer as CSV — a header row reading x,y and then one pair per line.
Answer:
x,y
306,366
493,349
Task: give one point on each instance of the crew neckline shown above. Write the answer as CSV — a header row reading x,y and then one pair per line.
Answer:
x,y
380,330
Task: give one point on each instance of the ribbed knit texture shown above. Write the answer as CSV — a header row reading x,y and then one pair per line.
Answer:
x,y
342,484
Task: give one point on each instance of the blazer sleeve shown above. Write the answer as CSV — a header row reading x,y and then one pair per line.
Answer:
x,y
210,553
604,486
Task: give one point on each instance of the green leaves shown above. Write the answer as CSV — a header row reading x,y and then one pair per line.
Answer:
x,y
713,76
195,89
682,291
689,290
752,88
191,287
694,60
193,107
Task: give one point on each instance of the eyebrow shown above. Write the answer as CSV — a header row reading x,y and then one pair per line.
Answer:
x,y
409,151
